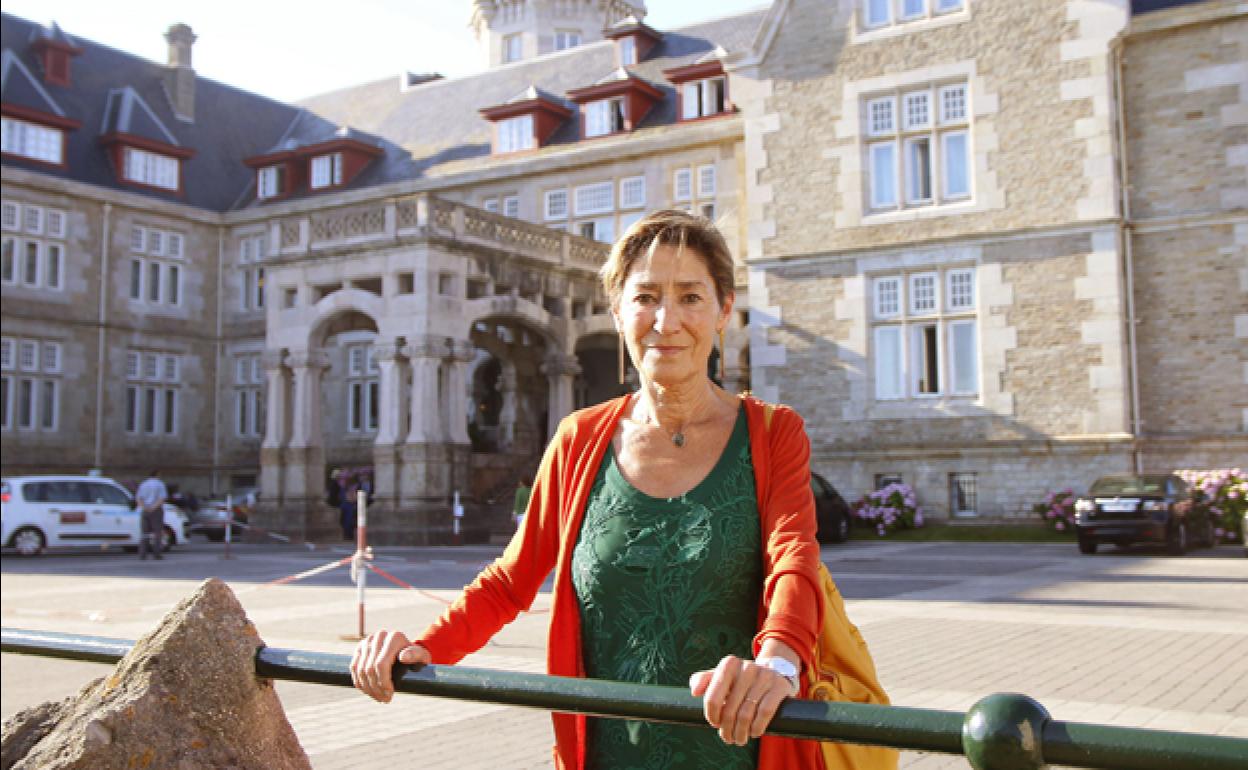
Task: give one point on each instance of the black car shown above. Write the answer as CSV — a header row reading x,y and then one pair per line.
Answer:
x,y
1141,509
831,511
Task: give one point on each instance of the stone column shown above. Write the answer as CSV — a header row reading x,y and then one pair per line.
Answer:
x,y
385,457
423,473
561,371
507,415
425,355
304,512
462,353
271,469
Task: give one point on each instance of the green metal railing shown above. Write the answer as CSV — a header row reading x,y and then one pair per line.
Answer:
x,y
1000,732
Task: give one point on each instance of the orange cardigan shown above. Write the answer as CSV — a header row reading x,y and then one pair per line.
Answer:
x,y
790,610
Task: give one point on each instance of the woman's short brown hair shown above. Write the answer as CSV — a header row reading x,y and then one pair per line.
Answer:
x,y
669,227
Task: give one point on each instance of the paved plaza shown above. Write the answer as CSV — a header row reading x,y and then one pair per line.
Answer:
x,y
1131,638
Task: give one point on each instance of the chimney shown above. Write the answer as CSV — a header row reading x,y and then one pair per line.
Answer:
x,y
179,74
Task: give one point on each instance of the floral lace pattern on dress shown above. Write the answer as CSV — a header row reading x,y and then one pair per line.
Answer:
x,y
667,587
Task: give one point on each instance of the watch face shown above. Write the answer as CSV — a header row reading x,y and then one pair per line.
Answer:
x,y
780,666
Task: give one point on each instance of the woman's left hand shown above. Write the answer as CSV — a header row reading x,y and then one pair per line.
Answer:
x,y
740,697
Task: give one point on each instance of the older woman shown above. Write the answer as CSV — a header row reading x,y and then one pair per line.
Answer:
x,y
680,525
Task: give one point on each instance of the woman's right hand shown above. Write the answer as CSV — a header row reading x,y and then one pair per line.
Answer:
x,y
374,659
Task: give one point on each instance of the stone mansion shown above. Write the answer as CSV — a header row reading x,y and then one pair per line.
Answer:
x,y
990,248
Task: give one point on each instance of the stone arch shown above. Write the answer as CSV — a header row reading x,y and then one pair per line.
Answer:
x,y
343,303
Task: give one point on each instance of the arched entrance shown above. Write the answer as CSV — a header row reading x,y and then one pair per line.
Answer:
x,y
599,380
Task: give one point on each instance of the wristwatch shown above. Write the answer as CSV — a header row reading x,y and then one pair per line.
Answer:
x,y
784,668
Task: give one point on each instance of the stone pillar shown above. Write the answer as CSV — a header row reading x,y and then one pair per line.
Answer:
x,y
507,415
422,485
271,470
425,356
462,353
385,457
561,371
304,512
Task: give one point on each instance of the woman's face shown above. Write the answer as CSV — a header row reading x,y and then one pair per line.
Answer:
x,y
669,315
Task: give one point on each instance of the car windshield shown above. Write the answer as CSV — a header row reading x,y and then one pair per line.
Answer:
x,y
1129,485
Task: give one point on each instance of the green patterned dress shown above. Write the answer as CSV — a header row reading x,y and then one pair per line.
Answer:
x,y
667,587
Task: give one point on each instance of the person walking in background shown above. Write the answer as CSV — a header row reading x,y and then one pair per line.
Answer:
x,y
524,490
680,524
151,497
346,504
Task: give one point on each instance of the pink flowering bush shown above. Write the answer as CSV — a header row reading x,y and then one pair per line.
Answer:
x,y
1058,510
889,509
1224,493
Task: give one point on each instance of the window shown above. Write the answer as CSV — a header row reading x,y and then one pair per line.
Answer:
x,y
248,396
601,229
567,38
513,49
605,116
31,140
157,278
555,204
446,284
921,347
36,261
153,391
882,13
363,389
31,384
270,181
682,184
633,192
326,170
149,168
923,161
963,494
886,479
628,51
515,134
706,181
699,98
9,215
511,206
490,205
251,250
595,198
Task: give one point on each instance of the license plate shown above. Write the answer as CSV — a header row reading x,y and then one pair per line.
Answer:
x,y
1119,506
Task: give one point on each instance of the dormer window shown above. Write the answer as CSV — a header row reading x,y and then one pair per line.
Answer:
x,y
700,98
32,141
151,169
326,171
628,51
515,134
567,38
605,116
513,48
271,181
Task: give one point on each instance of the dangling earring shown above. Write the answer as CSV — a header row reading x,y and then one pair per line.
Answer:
x,y
623,374
723,352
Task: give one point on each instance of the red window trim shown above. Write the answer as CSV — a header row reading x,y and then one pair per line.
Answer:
x,y
47,120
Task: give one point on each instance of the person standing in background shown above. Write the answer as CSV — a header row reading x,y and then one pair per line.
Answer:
x,y
524,490
151,497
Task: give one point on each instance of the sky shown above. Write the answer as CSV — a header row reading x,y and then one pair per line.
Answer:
x,y
288,50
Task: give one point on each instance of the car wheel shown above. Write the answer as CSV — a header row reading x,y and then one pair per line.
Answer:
x,y
1087,547
28,541
1176,542
168,540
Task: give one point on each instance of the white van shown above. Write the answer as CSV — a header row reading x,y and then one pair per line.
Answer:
x,y
67,511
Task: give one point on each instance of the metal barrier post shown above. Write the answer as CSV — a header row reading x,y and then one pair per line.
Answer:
x,y
229,525
361,553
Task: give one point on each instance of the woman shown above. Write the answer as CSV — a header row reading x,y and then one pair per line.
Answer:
x,y
680,523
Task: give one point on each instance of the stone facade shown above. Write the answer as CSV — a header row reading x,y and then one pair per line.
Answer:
x,y
1064,385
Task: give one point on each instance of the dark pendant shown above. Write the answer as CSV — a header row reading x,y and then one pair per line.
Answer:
x,y
678,438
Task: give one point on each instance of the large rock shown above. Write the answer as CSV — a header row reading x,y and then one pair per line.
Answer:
x,y
186,697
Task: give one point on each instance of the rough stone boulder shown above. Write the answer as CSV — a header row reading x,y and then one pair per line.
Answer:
x,y
186,697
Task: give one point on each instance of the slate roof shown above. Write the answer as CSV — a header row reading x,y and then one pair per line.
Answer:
x,y
429,128
439,123
215,178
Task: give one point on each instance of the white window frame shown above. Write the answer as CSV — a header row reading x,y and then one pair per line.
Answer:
x,y
897,168
603,229
10,250
269,182
511,206
32,141
555,204
362,376
512,48
633,192
490,204
8,354
516,134
325,171
595,198
956,479
877,14
706,180
900,341
627,47
601,116
567,38
698,98
152,169
682,184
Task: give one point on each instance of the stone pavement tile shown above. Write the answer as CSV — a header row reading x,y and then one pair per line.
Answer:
x,y
1237,726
